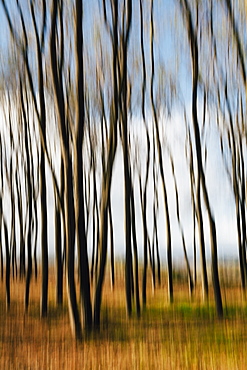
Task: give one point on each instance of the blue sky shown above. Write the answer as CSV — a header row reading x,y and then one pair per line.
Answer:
x,y
172,52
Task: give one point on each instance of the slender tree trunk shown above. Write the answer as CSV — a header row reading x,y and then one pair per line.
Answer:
x,y
192,36
44,244
242,205
143,194
59,260
58,241
29,196
128,254
70,251
161,167
123,49
7,267
29,261
202,242
35,222
102,249
68,182
79,200
135,253
111,147
42,121
111,246
22,259
145,238
13,225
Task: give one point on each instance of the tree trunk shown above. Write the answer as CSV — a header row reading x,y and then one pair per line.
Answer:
x,y
192,36
145,240
7,268
59,260
70,251
204,276
59,240
128,254
44,246
135,253
111,246
79,199
68,182
161,167
102,249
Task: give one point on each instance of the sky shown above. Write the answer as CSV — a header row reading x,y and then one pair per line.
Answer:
x,y
220,194
170,51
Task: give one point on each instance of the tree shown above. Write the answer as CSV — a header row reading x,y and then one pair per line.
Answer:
x,y
110,157
56,66
161,165
86,306
41,116
192,37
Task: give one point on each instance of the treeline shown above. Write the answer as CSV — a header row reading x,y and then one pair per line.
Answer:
x,y
75,76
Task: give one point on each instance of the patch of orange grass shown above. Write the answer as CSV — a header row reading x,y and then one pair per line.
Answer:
x,y
165,337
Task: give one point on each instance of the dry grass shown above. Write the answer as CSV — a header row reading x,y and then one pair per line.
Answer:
x,y
186,335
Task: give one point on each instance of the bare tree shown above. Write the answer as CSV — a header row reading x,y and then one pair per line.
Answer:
x,y
57,65
161,165
86,306
110,157
192,36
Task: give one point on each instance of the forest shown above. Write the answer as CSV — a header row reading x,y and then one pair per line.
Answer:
x,y
146,98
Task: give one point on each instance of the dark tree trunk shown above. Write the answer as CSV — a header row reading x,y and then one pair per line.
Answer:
x,y
95,223
79,198
68,182
143,194
145,241
29,270
128,254
111,246
111,148
192,36
7,267
59,260
202,242
44,244
135,253
161,167
58,241
35,238
22,260
70,252
29,196
102,249
42,121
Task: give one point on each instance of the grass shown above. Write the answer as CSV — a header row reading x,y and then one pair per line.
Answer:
x,y
184,335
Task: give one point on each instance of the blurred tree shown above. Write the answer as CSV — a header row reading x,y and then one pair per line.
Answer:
x,y
160,160
192,37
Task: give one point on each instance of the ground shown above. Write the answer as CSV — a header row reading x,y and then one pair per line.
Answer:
x,y
184,335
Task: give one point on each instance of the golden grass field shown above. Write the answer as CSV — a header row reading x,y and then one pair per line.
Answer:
x,y
185,335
